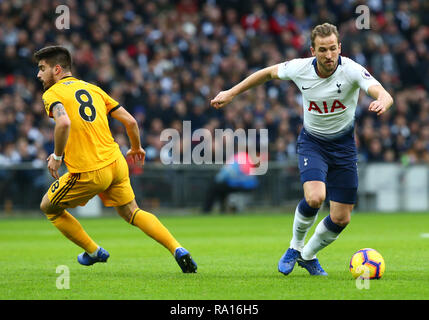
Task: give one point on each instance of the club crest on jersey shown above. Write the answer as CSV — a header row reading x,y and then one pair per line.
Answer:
x,y
339,87
336,104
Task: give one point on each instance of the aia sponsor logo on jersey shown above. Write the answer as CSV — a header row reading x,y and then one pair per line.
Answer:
x,y
325,108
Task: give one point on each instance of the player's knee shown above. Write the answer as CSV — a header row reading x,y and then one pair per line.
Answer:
x,y
128,216
342,221
44,206
127,211
51,212
315,200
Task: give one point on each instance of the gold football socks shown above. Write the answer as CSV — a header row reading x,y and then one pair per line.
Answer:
x,y
149,224
72,229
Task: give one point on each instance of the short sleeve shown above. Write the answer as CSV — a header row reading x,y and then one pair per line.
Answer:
x,y
285,70
111,104
50,99
289,70
361,76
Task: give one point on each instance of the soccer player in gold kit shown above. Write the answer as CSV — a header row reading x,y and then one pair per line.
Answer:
x,y
83,140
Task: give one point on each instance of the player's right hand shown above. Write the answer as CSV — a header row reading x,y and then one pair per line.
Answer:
x,y
137,155
222,99
53,166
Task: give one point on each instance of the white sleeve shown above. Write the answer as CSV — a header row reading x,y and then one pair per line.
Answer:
x,y
361,76
287,70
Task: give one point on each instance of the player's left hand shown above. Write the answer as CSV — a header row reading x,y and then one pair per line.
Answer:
x,y
137,155
377,107
53,166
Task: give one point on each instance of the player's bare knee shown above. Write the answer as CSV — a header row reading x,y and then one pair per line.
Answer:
x,y
315,200
125,214
44,204
51,211
341,221
126,211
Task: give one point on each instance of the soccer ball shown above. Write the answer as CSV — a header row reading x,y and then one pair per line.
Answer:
x,y
367,263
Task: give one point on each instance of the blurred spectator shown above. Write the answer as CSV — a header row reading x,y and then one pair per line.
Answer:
x,y
232,178
375,152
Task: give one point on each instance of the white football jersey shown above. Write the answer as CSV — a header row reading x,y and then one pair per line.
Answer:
x,y
329,103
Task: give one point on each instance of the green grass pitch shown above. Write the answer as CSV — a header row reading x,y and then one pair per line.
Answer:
x,y
237,259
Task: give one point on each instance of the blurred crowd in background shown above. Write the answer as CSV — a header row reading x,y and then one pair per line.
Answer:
x,y
165,60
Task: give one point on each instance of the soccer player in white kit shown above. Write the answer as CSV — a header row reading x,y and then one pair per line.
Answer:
x,y
330,86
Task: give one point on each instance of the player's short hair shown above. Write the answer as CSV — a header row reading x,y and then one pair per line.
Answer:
x,y
324,30
54,55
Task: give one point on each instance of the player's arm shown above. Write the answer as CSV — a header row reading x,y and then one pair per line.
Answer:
x,y
61,135
255,79
136,152
383,99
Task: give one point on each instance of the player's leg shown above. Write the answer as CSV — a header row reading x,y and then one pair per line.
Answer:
x,y
313,172
150,225
69,191
67,224
342,190
305,216
340,214
63,220
328,230
306,212
121,196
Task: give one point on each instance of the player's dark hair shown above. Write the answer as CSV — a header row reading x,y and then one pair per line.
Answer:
x,y
54,55
324,30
